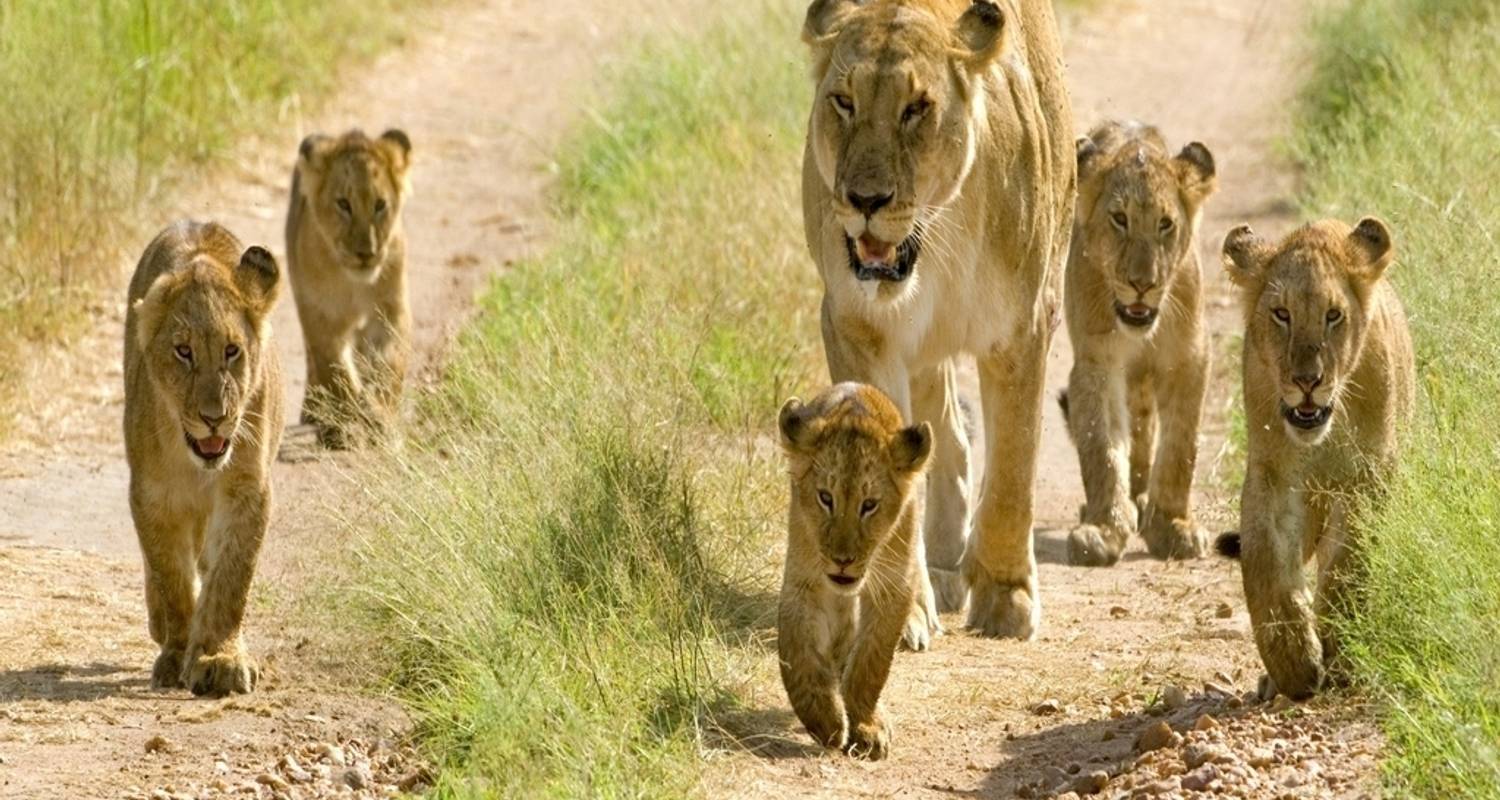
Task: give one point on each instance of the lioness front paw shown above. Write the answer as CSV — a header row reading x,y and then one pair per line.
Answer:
x,y
948,589
1095,546
1173,538
920,628
166,673
870,740
1002,608
231,672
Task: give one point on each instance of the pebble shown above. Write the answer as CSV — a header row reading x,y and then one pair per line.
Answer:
x,y
1155,737
353,778
267,779
331,752
1119,612
1196,755
1261,758
1199,779
1047,707
158,744
1224,611
1163,786
1205,723
1053,776
1281,703
1091,783
1173,697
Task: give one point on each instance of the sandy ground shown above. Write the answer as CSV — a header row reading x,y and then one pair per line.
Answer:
x,y
483,92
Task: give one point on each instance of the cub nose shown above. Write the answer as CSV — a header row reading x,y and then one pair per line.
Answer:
x,y
1143,285
843,562
211,421
868,204
1307,382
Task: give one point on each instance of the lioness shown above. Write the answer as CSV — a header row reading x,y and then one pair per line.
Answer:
x,y
1329,381
346,255
1134,305
851,559
937,194
203,419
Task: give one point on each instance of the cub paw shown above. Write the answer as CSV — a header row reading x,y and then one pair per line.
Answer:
x,y
920,629
1173,538
1002,609
870,740
948,589
166,673
217,675
1094,546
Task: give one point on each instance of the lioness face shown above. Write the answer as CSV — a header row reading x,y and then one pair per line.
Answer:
x,y
892,124
1306,318
354,187
202,340
1138,214
853,469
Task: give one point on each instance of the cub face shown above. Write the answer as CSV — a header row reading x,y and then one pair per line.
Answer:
x,y
893,118
1137,214
1307,300
203,341
853,468
354,187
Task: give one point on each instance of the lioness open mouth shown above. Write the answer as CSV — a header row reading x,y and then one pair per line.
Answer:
x,y
209,448
1136,315
843,580
874,260
1307,416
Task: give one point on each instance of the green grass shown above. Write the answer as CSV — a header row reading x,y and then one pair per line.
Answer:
x,y
1402,119
106,101
560,565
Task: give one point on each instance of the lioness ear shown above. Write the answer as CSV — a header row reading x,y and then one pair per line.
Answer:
x,y
823,18
1088,156
398,146
1373,248
911,446
1245,255
148,309
1195,173
257,277
981,34
798,432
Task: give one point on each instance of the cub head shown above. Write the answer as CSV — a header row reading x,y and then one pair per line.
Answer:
x,y
853,467
354,186
202,333
1138,211
892,129
1307,302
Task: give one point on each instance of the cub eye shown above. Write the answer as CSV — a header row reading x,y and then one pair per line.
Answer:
x,y
1165,226
825,500
184,352
915,110
344,206
1334,315
1282,315
868,507
843,103
1120,220
231,352
380,206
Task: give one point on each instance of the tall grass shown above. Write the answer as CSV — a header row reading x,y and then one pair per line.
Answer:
x,y
1402,118
557,564
105,102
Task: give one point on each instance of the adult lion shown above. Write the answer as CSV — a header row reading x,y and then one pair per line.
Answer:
x,y
937,196
203,417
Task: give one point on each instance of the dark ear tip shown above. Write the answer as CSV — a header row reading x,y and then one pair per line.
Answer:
x,y
1228,544
1199,154
988,11
399,137
259,259
1374,229
306,148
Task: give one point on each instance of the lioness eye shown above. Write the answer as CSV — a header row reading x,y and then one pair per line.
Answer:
x,y
842,103
184,352
231,352
1334,315
826,500
915,110
380,206
344,206
1165,225
1281,315
868,507
1120,220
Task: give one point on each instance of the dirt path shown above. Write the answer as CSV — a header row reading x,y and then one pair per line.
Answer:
x,y
984,718
483,93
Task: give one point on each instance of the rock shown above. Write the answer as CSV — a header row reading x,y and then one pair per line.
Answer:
x,y
1260,758
221,767
1163,786
1214,687
1073,768
1091,783
1234,702
1281,703
1047,707
1173,697
272,782
416,779
158,744
1119,612
1224,611
354,779
1156,736
1196,755
1199,779
1053,777
1108,735
1205,723
330,752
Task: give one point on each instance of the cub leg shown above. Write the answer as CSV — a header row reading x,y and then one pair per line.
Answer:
x,y
813,627
1272,517
332,387
1169,528
384,349
999,564
170,589
1140,399
1337,570
880,622
1098,419
934,396
217,662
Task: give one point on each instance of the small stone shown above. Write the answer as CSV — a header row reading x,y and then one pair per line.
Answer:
x,y
221,767
158,744
1173,697
1052,777
1119,612
1047,707
1199,779
1108,735
1205,723
1260,758
354,779
1156,736
1091,783
1163,786
271,781
1280,704
1196,755
1234,702
1214,687
1224,611
330,752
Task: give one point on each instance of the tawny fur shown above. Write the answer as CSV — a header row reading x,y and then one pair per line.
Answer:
x,y
956,111
200,362
1135,394
346,257
1303,486
855,473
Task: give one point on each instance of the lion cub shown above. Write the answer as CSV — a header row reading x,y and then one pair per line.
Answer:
x,y
851,562
346,255
1134,303
203,418
1329,382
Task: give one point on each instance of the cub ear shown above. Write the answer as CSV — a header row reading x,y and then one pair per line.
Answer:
x,y
823,19
313,152
981,34
1373,248
397,145
1245,256
1195,173
911,446
1088,156
149,309
798,430
258,278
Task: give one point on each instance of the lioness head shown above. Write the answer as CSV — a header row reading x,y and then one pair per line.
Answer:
x,y
1306,302
853,467
202,332
354,186
893,121
1138,211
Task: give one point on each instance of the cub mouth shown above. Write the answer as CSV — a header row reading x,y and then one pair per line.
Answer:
x,y
1307,416
1136,315
843,580
209,448
875,260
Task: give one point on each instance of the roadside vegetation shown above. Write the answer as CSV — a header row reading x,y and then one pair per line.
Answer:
x,y
1400,119
581,528
107,100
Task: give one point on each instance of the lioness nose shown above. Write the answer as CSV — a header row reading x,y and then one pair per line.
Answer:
x,y
843,562
211,421
1143,284
868,204
1307,382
